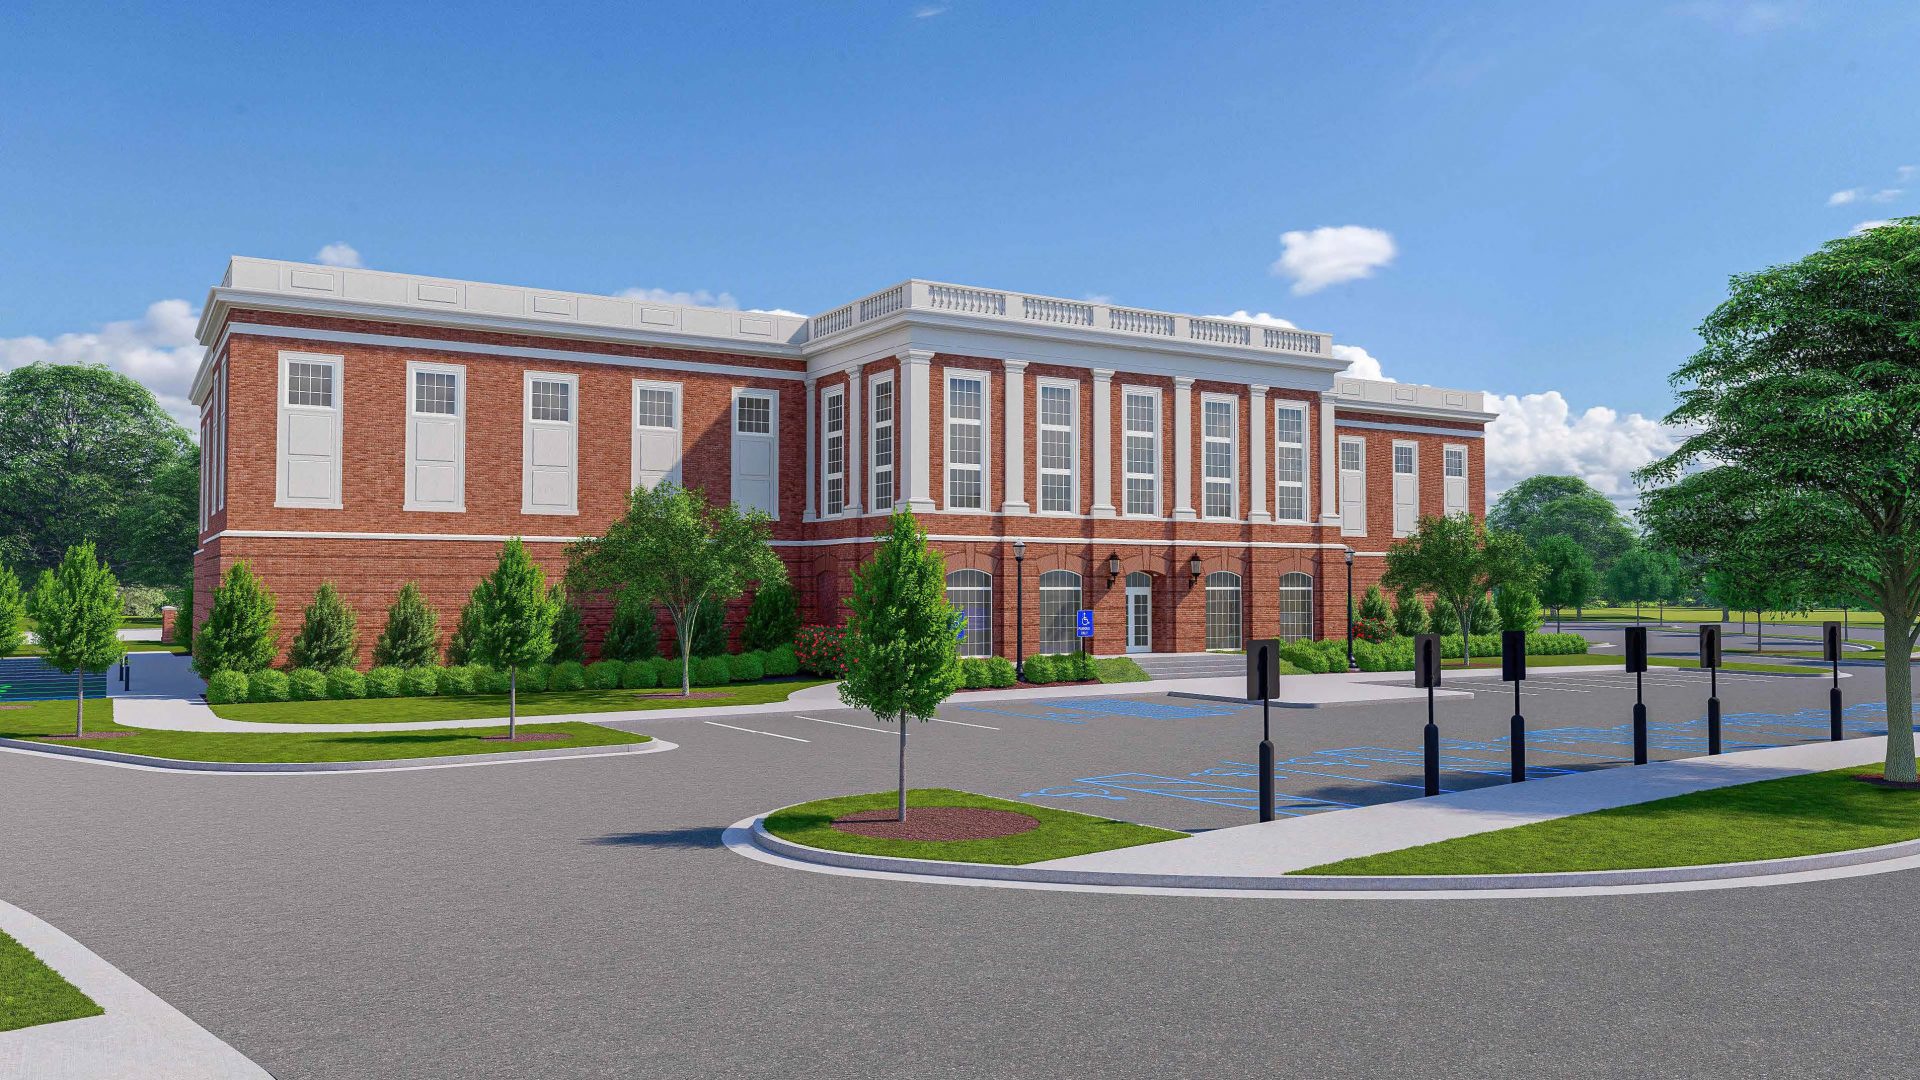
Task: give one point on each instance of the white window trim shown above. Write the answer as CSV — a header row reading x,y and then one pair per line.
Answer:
x,y
220,439
1351,528
1465,478
1233,454
1465,464
1159,451
527,424
338,409
1393,475
773,433
1040,445
459,373
831,394
1306,460
892,469
986,444
679,428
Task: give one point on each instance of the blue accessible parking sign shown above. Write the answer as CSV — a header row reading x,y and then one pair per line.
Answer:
x,y
1083,622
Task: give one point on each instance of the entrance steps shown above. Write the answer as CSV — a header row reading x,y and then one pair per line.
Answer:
x,y
1191,665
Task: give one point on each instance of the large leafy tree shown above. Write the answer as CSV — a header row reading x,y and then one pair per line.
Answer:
x,y
1636,578
903,658
682,551
1741,530
1543,506
514,623
329,634
1457,559
1567,577
1807,387
76,612
241,632
88,454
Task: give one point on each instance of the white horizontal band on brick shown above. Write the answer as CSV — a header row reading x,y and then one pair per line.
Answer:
x,y
1414,429
294,534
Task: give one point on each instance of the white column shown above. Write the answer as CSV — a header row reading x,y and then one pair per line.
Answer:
x,y
1329,465
813,457
1102,443
1014,498
917,365
1183,449
1258,451
854,466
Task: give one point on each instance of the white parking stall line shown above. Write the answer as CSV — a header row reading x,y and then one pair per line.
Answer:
x,y
751,731
836,723
963,723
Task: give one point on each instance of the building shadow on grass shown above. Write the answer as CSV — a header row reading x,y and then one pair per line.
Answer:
x,y
692,837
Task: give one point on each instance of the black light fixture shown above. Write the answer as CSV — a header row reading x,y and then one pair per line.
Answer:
x,y
1113,567
1193,567
1019,609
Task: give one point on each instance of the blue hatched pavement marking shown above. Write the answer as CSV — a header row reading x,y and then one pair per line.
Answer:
x,y
1023,713
1145,710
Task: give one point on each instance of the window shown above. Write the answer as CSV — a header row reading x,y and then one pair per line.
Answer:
x,y
1059,611
433,393
1456,462
550,446
1059,449
1406,488
1402,459
308,462
656,434
310,384
882,483
756,451
1142,418
1223,610
436,439
753,415
1290,463
1219,431
1353,486
834,404
653,406
971,594
1453,480
966,442
1296,607
552,400
1352,455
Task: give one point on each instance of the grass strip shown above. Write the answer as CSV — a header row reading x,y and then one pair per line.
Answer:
x,y
32,993
1061,832
1119,669
485,706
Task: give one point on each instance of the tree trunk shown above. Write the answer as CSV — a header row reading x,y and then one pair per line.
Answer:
x,y
1759,631
1558,626
1899,669
513,699
1466,640
79,702
903,765
686,652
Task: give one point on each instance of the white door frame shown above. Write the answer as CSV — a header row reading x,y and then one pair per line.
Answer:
x,y
1144,592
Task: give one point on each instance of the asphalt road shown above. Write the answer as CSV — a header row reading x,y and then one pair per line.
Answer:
x,y
580,919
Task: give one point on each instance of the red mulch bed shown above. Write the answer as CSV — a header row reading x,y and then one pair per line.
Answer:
x,y
91,735
529,736
1880,780
937,823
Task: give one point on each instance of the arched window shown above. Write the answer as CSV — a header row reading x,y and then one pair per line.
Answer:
x,y
1223,610
1059,603
1296,607
971,593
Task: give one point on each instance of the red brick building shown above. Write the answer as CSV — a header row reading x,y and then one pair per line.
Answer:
x,y
1192,481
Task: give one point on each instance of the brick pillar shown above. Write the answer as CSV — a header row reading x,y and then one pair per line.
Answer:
x,y
167,616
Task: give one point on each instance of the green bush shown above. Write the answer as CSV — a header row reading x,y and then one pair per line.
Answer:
x,y
568,675
999,672
973,673
455,680
781,662
746,667
1118,669
346,684
605,674
711,671
638,675
420,681
1303,655
227,687
634,633
569,634
267,685
307,684
486,680
1080,668
1040,669
535,678
666,671
772,618
384,682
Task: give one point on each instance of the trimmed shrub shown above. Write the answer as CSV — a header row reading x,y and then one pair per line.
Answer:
x,y
638,675
1303,655
227,687
773,617
329,636
822,650
346,684
1041,669
1079,667
781,662
746,667
485,680
666,671
569,675
411,637
1119,669
454,680
239,634
999,672
384,682
420,681
268,685
466,630
605,674
634,633
973,673
1409,614
307,684
535,678
711,671
569,635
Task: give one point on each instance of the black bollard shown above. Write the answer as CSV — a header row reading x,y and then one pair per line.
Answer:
x,y
1637,663
1513,667
1432,747
1710,659
1426,672
1831,638
1265,656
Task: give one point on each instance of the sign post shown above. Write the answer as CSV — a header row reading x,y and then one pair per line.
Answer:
x,y
1637,663
1831,638
1710,659
1426,672
1513,668
1263,675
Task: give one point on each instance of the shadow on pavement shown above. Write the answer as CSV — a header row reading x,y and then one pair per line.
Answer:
x,y
696,837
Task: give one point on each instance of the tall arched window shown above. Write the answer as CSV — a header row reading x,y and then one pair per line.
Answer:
x,y
1059,603
971,593
1223,610
1296,607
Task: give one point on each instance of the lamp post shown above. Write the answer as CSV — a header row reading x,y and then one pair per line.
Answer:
x,y
1019,609
1351,666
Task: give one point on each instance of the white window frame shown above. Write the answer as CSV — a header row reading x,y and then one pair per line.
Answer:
x,y
459,373
1447,450
1351,527
679,429
527,426
1306,461
883,433
220,437
284,411
1040,428
1393,480
1232,479
986,446
1159,433
773,432
828,397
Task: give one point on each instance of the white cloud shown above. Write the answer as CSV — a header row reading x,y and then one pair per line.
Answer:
x,y
1888,194
777,311
1330,255
339,253
1361,364
1539,433
1262,318
1842,198
1907,172
928,11
696,298
1865,225
156,349
1746,16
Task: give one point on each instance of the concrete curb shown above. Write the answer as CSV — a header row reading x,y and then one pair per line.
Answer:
x,y
1354,886
112,757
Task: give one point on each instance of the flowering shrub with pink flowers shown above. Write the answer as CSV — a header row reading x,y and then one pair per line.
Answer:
x,y
822,650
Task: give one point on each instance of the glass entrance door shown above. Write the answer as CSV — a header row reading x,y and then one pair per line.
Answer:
x,y
1139,612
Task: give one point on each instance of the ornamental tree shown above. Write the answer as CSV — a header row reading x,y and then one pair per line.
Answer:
x,y
1457,559
411,637
1409,614
1376,618
13,613
76,609
329,634
903,658
1808,386
682,551
515,620
1567,577
241,632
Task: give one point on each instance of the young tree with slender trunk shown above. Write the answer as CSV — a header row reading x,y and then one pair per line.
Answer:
x,y
515,623
411,637
329,634
1457,559
1567,577
903,657
76,607
13,613
241,632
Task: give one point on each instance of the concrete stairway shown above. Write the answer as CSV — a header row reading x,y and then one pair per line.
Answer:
x,y
1191,665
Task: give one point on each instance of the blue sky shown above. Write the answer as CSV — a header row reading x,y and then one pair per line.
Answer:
x,y
1563,188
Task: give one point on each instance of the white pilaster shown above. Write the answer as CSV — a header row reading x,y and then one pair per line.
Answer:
x,y
1014,493
917,365
1257,454
1102,443
1329,465
813,456
855,464
1183,449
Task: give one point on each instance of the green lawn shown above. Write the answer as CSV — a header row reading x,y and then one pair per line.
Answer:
x,y
1771,819
132,646
42,718
1651,613
1061,832
1117,669
482,706
33,993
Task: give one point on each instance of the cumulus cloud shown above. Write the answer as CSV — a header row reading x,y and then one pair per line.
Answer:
x,y
928,11
1540,433
1330,255
339,253
1907,172
157,349
1746,16
1872,224
1842,198
724,301
1888,194
1361,364
1264,319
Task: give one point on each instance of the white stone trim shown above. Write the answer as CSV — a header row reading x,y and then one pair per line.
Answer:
x,y
1102,443
528,425
1412,429
285,414
1014,455
1039,447
458,422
